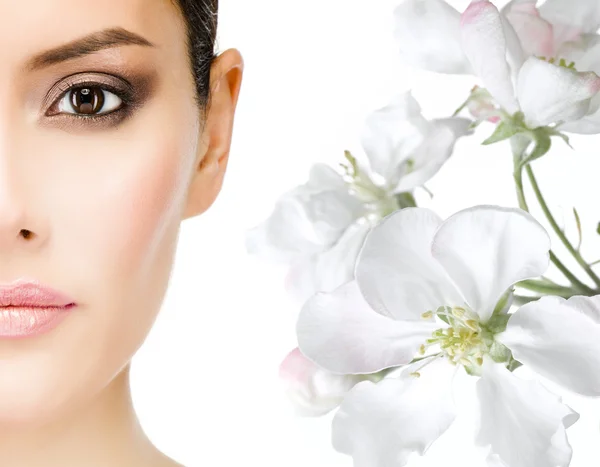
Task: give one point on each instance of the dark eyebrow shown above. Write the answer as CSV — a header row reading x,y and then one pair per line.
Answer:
x,y
106,38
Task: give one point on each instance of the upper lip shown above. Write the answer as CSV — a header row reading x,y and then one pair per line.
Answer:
x,y
31,293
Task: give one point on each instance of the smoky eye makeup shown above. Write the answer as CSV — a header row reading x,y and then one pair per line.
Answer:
x,y
96,100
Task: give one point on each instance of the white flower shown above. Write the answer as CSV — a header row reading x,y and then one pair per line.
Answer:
x,y
545,92
435,290
312,390
570,20
318,228
514,52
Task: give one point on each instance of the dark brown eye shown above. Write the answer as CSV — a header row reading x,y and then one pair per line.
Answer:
x,y
89,100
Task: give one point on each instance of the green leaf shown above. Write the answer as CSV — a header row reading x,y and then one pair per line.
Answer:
x,y
542,144
500,353
504,130
564,137
497,323
513,364
406,200
598,229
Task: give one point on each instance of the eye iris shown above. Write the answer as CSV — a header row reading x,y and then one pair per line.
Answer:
x,y
87,100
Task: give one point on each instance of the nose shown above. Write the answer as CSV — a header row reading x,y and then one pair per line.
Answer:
x,y
15,221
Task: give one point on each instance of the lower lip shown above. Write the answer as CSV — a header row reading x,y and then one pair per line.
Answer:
x,y
24,321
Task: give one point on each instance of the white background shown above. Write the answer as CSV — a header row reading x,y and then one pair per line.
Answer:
x,y
205,381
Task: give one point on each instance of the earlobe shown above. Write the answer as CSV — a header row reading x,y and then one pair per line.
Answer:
x,y
206,182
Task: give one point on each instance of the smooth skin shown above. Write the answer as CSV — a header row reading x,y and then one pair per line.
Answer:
x,y
103,203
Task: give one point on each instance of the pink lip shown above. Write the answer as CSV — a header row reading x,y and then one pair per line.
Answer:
x,y
29,308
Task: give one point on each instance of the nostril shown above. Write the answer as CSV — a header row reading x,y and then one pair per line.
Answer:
x,y
26,233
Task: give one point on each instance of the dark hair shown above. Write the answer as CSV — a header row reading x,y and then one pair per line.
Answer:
x,y
201,19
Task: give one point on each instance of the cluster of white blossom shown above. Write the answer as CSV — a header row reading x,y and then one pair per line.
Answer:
x,y
397,300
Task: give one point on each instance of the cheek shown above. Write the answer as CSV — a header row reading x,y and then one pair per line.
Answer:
x,y
124,242
117,221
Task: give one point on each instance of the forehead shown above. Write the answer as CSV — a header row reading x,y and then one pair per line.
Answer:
x,y
36,25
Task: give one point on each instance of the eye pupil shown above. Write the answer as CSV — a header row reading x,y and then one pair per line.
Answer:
x,y
87,100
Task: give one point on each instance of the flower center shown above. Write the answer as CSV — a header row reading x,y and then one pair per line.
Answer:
x,y
377,198
559,62
463,342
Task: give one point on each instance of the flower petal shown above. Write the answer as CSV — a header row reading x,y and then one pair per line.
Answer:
x,y
428,35
524,423
392,132
325,271
535,33
395,270
493,460
312,390
559,339
341,333
582,14
582,50
486,37
381,425
550,93
307,219
589,125
586,55
435,150
486,249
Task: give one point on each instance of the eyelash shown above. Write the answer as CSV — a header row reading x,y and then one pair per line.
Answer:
x,y
127,103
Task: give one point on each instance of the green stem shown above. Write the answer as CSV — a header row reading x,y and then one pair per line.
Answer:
x,y
581,287
548,281
518,177
546,289
522,299
558,230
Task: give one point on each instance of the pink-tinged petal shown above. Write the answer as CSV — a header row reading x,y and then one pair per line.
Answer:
x,y
535,33
482,106
559,339
523,422
428,36
340,332
486,249
564,36
550,93
582,14
312,390
486,37
385,424
395,270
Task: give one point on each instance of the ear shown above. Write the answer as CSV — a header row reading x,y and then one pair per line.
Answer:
x,y
215,140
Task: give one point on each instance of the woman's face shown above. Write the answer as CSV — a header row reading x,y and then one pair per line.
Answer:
x,y
103,191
